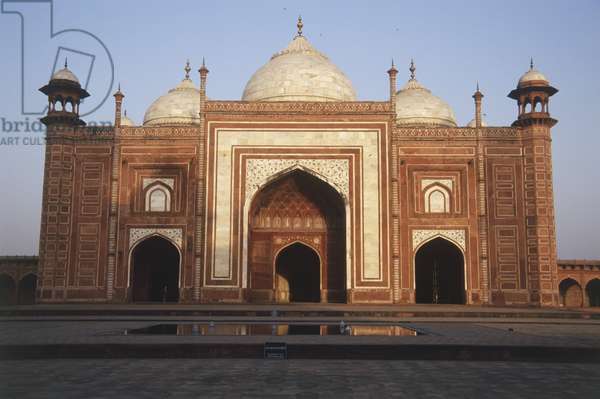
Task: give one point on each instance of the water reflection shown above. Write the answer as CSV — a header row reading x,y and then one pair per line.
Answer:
x,y
217,329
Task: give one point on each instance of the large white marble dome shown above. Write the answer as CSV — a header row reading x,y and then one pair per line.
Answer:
x,y
416,105
299,73
180,106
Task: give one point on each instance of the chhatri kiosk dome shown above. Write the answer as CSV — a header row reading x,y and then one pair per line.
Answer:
x,y
299,192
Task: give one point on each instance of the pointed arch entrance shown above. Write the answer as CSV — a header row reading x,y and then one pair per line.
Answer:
x,y
155,263
571,293
593,292
439,273
291,220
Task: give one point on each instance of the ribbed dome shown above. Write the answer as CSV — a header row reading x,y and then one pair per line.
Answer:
x,y
180,106
65,74
415,105
299,73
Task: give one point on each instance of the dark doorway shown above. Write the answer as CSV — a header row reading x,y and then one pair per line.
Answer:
x,y
27,290
571,293
593,292
155,271
298,273
7,290
439,273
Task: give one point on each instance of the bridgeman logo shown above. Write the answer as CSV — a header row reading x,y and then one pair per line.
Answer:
x,y
16,131
43,50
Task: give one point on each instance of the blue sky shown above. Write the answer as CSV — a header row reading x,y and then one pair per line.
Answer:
x,y
454,44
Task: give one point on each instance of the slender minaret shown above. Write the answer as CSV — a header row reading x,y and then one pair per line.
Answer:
x,y
478,96
392,72
482,199
201,188
118,104
203,74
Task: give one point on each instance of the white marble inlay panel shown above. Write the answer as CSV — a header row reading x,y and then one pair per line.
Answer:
x,y
258,171
444,182
456,236
167,181
137,234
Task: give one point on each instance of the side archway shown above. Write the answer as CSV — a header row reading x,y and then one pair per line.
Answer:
x,y
592,289
439,273
26,289
8,290
155,270
571,294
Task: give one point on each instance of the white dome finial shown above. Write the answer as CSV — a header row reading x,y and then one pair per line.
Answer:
x,y
299,25
412,69
187,69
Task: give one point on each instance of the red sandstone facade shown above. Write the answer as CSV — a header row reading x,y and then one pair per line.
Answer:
x,y
272,202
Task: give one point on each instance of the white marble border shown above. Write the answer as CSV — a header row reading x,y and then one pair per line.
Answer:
x,y
221,190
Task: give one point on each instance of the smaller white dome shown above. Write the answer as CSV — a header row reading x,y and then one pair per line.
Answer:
x,y
532,75
472,123
65,74
180,106
415,105
126,121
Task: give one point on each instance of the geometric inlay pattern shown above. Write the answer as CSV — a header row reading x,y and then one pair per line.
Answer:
x,y
456,236
259,170
139,233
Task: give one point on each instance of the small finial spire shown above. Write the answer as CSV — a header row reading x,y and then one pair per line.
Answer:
x,y
477,85
66,64
119,87
531,63
187,69
203,69
412,69
299,25
393,66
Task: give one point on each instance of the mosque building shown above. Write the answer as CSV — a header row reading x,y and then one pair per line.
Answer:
x,y
299,192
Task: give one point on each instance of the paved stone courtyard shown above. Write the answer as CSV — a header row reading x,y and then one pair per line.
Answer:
x,y
231,378
176,378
